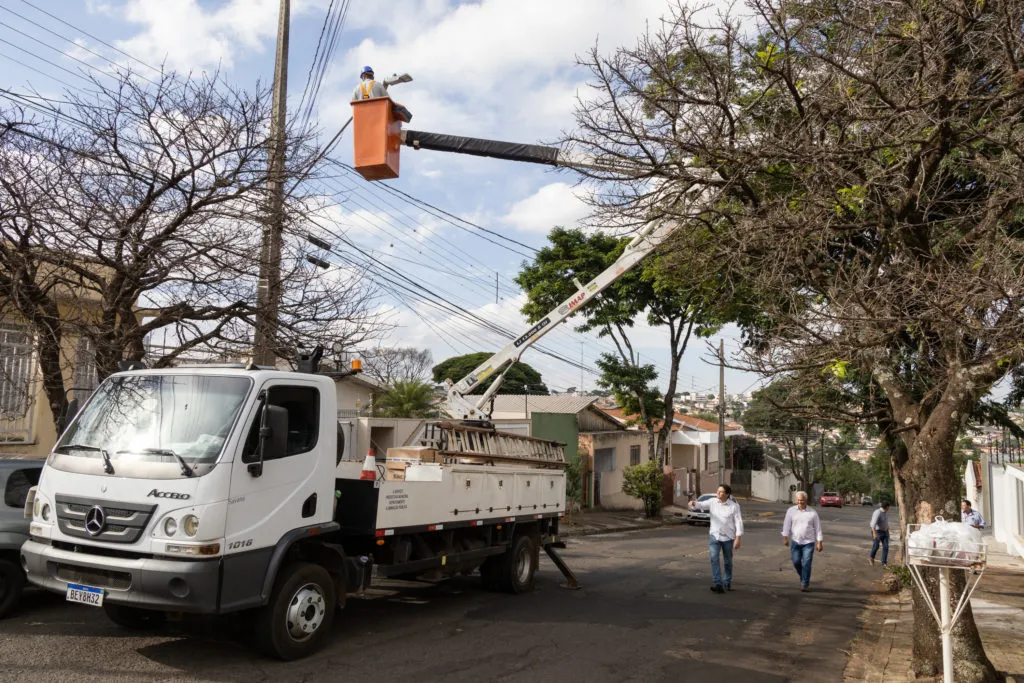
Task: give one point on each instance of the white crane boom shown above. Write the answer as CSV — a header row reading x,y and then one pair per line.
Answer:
x,y
461,405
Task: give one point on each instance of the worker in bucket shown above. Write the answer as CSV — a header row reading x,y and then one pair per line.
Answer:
x,y
368,88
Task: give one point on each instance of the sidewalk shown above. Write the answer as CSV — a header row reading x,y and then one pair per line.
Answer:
x,y
590,522
882,651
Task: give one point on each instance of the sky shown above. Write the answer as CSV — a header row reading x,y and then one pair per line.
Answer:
x,y
498,69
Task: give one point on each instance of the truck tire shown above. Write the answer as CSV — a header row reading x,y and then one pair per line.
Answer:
x,y
298,618
134,618
12,581
513,571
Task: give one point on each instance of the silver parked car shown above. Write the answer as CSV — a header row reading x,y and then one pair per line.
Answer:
x,y
16,478
699,516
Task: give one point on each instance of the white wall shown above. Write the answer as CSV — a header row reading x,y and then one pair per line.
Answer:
x,y
1006,498
769,486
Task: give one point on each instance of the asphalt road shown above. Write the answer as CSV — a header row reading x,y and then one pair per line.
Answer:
x,y
645,614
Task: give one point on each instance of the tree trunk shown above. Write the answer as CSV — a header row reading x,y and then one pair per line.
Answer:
x,y
48,341
928,489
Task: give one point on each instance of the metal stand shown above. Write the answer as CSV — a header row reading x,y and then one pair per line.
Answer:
x,y
970,559
572,583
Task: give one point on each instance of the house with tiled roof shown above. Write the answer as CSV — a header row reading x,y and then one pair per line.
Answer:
x,y
603,444
695,450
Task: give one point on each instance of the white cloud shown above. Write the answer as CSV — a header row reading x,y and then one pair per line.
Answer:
x,y
551,205
190,37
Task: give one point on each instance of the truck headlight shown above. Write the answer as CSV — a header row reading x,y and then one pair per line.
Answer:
x,y
45,512
170,526
190,525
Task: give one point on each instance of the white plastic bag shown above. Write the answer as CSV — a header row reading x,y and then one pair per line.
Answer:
x,y
946,542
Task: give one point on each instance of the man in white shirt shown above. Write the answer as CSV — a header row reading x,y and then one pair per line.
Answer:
x,y
726,530
801,531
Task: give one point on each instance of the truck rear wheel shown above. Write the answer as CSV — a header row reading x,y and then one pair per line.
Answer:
x,y
513,571
134,618
300,613
12,581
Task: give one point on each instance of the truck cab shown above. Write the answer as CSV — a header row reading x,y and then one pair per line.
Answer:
x,y
169,481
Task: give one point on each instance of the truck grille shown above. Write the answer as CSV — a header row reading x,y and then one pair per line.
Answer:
x,y
101,520
98,578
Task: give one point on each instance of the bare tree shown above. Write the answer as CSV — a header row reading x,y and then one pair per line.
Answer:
x,y
398,364
866,164
144,202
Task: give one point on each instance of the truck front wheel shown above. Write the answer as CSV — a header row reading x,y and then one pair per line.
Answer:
x,y
300,613
513,571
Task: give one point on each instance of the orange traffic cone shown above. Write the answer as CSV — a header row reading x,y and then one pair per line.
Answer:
x,y
369,466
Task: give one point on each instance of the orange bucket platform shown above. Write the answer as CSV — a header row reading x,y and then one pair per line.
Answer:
x,y
377,135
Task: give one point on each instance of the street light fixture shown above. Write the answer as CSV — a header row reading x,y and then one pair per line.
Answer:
x,y
397,78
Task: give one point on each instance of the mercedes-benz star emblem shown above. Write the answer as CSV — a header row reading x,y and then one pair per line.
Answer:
x,y
95,520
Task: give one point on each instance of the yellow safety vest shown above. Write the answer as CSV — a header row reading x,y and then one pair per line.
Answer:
x,y
366,87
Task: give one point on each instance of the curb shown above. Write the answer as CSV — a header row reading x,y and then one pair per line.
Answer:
x,y
608,530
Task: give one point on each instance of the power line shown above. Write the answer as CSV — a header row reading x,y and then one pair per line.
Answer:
x,y
427,207
102,42
64,38
448,217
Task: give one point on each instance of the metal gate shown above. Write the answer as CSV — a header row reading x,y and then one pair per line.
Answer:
x,y
740,482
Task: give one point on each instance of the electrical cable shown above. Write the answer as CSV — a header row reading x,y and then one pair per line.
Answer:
x,y
86,33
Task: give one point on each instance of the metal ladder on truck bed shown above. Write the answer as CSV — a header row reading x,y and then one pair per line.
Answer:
x,y
455,441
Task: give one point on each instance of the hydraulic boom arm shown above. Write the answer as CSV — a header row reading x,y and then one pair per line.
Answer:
x,y
460,404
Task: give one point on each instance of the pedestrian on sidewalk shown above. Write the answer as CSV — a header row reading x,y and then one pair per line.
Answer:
x,y
726,530
970,516
801,531
880,533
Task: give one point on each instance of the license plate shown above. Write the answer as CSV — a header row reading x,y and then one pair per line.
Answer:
x,y
86,595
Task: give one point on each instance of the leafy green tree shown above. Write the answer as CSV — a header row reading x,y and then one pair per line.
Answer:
x,y
693,308
768,418
861,168
644,481
631,385
521,379
407,399
747,453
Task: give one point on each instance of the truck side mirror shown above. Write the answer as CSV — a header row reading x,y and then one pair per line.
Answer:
x,y
273,437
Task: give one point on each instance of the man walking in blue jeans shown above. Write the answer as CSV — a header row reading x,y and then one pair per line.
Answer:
x,y
726,529
801,531
880,532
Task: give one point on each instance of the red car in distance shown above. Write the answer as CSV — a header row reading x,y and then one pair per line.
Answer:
x,y
831,499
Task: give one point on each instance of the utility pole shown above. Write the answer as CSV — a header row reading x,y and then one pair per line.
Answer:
x,y
268,289
721,411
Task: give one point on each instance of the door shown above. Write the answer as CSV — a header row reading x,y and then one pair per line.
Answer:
x,y
262,509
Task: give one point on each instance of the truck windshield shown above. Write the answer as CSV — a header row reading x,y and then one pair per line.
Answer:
x,y
149,416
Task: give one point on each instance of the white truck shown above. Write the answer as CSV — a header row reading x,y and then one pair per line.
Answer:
x,y
215,490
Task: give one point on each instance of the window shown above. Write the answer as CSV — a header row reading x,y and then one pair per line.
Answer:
x,y
86,373
604,460
18,485
16,371
303,406
634,455
135,416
